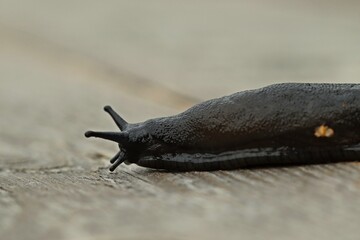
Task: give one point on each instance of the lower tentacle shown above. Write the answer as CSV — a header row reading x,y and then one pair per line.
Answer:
x,y
119,160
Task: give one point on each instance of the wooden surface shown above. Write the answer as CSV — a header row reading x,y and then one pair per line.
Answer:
x,y
61,62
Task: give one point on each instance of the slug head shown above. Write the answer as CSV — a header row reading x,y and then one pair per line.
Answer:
x,y
129,143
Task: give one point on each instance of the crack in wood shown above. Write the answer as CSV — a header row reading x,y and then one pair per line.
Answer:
x,y
4,189
56,169
136,177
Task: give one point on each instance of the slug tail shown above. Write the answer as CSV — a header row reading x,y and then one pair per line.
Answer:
x,y
120,122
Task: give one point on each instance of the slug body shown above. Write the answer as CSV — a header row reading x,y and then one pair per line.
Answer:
x,y
281,124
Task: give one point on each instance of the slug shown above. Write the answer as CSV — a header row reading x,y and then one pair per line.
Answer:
x,y
281,124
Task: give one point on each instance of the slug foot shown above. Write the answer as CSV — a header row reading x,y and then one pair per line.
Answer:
x,y
249,158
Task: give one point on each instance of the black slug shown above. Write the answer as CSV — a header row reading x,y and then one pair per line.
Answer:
x,y
282,124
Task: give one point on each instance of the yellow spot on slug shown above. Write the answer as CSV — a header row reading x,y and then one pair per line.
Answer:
x,y
324,131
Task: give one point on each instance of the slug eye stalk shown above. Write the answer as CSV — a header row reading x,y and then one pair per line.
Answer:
x,y
121,138
120,122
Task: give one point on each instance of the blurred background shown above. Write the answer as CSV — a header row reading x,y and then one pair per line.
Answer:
x,y
202,49
61,61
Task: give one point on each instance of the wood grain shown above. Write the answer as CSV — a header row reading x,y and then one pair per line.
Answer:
x,y
60,64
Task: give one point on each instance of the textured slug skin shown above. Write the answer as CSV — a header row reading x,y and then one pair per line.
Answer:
x,y
282,117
